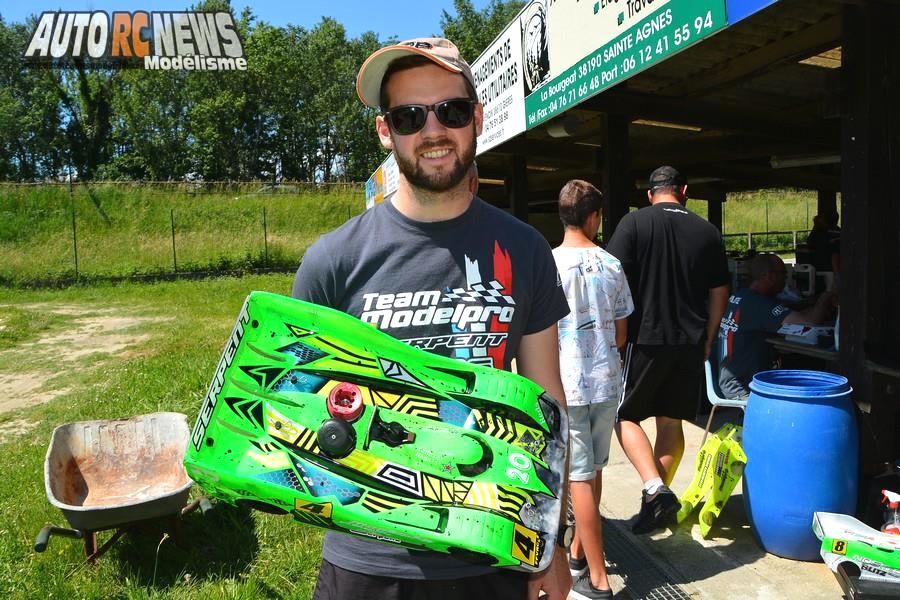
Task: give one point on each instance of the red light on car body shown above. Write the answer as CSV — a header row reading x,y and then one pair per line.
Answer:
x,y
345,402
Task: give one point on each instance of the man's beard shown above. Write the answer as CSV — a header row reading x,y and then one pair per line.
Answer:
x,y
438,181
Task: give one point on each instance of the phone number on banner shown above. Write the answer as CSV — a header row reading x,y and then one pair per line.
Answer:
x,y
661,35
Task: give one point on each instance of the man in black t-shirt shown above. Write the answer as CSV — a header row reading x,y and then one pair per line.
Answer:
x,y
440,269
678,275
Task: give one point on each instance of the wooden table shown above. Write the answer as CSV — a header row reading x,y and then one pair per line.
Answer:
x,y
786,347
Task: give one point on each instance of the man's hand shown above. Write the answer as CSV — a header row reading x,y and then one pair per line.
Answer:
x,y
538,360
822,310
555,581
718,302
829,300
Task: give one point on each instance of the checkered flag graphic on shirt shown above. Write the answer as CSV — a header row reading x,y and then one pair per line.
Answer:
x,y
490,293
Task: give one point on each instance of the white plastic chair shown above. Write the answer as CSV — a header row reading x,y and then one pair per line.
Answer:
x,y
715,399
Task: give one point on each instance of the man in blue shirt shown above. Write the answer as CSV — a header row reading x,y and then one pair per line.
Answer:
x,y
752,315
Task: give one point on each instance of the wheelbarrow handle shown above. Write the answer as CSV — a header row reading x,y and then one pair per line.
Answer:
x,y
43,537
202,503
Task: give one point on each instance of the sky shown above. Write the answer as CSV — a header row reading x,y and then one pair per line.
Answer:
x,y
402,18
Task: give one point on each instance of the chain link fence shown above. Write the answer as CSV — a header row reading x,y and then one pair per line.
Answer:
x,y
64,232
57,234
779,242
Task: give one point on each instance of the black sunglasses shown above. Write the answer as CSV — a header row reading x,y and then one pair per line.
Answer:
x,y
410,118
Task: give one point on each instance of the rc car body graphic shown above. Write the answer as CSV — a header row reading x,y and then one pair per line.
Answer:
x,y
846,539
314,413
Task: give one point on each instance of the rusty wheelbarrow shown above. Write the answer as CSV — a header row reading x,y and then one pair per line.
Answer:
x,y
124,474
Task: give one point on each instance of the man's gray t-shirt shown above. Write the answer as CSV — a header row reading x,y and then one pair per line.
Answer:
x,y
467,288
749,318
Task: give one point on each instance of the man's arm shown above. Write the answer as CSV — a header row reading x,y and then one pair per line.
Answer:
x,y
621,245
315,278
718,302
538,360
815,314
621,334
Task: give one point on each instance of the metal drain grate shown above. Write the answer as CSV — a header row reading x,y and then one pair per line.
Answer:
x,y
645,577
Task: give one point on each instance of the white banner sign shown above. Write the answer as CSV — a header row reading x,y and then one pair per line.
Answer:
x,y
383,182
578,28
498,80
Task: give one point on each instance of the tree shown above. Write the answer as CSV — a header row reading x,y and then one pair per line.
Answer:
x,y
222,131
295,107
332,76
473,30
274,73
31,144
86,98
360,149
149,127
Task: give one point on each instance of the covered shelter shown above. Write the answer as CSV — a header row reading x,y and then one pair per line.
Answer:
x,y
739,95
790,93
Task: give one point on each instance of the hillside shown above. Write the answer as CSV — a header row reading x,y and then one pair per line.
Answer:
x,y
123,230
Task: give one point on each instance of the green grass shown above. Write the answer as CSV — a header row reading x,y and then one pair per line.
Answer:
x,y
125,230
761,211
18,325
231,553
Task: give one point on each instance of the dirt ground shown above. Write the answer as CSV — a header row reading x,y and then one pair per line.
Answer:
x,y
102,334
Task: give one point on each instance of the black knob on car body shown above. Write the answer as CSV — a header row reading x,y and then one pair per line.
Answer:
x,y
336,438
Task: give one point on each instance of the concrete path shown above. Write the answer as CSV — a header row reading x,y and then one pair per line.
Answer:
x,y
728,565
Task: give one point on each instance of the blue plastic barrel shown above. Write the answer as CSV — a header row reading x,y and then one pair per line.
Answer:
x,y
802,450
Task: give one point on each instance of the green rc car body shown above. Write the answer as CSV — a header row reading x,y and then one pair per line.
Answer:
x,y
845,539
314,413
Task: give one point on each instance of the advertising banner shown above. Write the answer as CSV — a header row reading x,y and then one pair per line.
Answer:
x,y
627,37
499,82
558,53
535,45
383,182
578,28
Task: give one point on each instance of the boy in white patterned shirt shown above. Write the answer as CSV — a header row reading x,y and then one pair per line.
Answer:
x,y
589,341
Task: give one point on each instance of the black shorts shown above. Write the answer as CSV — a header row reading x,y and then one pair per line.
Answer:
x,y
661,381
335,583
